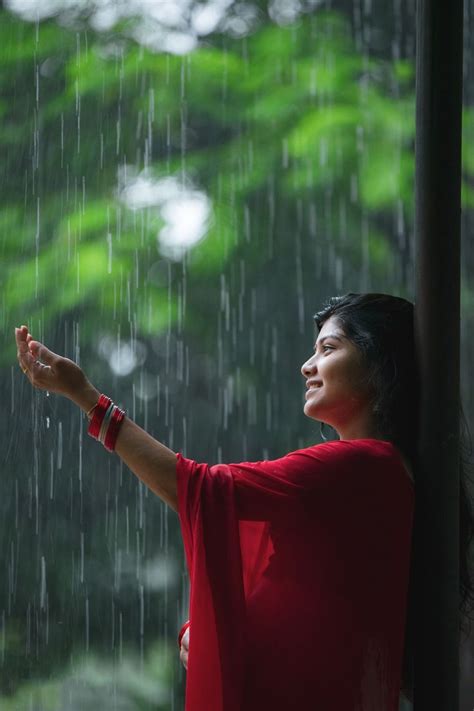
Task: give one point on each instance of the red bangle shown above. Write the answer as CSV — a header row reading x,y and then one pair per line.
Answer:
x,y
113,428
98,416
182,631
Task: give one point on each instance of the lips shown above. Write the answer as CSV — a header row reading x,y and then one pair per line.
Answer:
x,y
312,387
312,383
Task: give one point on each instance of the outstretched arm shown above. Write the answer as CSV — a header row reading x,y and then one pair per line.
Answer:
x,y
150,460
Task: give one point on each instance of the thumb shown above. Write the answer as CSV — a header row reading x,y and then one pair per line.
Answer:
x,y
42,353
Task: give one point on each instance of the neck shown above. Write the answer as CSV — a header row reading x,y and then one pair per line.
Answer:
x,y
357,431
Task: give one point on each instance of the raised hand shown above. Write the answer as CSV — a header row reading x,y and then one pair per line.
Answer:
x,y
49,371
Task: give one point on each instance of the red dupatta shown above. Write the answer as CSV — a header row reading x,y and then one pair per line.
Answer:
x,y
231,515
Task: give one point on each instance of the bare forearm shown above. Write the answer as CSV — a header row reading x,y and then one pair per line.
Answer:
x,y
151,461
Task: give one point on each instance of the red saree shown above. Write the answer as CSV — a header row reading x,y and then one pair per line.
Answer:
x,y
298,578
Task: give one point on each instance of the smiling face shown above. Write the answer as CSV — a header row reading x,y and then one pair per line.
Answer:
x,y
341,399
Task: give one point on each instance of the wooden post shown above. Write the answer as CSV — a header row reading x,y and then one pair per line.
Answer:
x,y
437,323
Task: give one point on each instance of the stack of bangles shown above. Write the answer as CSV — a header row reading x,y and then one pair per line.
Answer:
x,y
105,422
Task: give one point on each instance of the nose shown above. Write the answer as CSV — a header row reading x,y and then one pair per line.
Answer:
x,y
307,368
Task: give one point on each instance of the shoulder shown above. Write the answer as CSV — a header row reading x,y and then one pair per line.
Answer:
x,y
379,452
336,454
343,449
363,452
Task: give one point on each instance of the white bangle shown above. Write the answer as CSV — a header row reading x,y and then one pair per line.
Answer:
x,y
105,423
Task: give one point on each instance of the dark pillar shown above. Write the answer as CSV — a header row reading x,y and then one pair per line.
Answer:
x,y
437,229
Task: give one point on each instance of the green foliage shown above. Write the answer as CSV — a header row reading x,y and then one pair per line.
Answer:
x,y
300,105
298,91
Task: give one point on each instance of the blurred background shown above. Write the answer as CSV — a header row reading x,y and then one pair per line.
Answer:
x,y
183,184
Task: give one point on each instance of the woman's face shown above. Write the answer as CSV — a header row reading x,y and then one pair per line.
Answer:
x,y
340,398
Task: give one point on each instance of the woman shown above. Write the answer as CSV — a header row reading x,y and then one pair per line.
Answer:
x,y
299,566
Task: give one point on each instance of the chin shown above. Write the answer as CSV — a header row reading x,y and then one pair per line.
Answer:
x,y
310,412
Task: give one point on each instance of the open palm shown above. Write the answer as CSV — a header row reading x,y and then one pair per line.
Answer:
x,y
47,370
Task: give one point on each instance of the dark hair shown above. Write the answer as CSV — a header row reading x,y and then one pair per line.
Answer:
x,y
381,326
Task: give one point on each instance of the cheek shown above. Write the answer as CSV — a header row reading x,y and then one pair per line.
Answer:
x,y
350,379
341,372
334,364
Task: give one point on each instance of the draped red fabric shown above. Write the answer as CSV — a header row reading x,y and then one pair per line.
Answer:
x,y
299,573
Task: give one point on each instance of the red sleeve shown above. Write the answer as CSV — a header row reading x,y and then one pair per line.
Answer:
x,y
265,490
210,532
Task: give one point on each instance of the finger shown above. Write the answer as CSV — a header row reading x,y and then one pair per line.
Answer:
x,y
25,358
28,359
40,352
20,337
39,375
31,367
